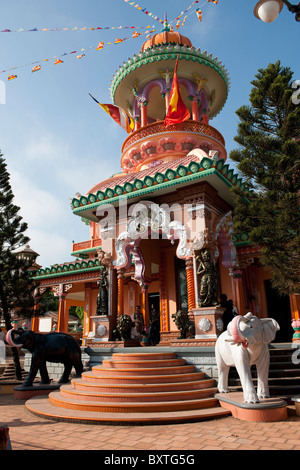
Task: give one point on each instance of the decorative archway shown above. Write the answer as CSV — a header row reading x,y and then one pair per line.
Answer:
x,y
147,218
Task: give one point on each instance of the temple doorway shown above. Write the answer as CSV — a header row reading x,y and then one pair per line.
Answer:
x,y
279,308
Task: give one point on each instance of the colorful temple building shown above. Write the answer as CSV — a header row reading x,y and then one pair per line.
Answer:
x,y
171,201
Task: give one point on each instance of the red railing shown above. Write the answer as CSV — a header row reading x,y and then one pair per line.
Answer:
x,y
159,128
93,243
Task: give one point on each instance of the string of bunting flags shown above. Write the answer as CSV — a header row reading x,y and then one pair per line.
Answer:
x,y
82,52
85,28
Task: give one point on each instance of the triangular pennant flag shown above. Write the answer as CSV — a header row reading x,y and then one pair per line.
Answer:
x,y
177,111
100,46
36,68
118,114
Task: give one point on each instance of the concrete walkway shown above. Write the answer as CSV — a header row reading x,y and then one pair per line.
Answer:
x,y
29,432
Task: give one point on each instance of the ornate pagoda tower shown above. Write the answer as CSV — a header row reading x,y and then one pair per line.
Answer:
x,y
171,200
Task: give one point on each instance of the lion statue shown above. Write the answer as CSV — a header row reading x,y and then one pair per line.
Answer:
x,y
122,332
184,324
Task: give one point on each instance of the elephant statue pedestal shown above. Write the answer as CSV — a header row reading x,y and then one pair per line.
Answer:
x,y
267,410
22,392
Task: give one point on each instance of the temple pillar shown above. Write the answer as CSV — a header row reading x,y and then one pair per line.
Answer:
x,y
120,309
195,112
144,114
145,304
35,320
190,283
163,294
295,306
205,117
166,96
61,312
137,124
238,291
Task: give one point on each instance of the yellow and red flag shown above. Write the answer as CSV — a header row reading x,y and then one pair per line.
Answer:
x,y
118,114
177,111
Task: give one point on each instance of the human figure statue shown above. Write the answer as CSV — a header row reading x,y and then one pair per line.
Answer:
x,y
102,299
138,320
154,335
209,282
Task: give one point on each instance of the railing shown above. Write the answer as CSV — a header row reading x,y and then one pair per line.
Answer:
x,y
93,243
159,128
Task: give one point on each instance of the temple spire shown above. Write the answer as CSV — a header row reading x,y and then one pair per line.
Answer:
x,y
166,25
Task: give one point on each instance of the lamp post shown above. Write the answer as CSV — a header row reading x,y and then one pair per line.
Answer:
x,y
268,10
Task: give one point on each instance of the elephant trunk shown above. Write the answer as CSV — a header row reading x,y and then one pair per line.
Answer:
x,y
12,339
236,333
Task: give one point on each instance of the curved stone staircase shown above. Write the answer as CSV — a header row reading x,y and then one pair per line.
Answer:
x,y
139,388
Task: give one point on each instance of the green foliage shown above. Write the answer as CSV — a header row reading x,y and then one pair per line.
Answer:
x,y
78,312
16,284
268,159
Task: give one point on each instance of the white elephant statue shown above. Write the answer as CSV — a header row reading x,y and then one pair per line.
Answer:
x,y
243,344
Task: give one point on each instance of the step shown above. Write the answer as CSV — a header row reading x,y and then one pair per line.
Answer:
x,y
41,407
79,384
142,379
280,372
143,356
282,381
57,399
150,397
104,371
128,364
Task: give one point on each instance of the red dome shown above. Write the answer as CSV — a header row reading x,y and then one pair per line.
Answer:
x,y
166,37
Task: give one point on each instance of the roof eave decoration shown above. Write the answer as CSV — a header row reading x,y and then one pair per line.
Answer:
x,y
67,268
170,51
170,178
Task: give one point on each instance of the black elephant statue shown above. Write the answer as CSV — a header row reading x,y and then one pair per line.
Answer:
x,y
51,347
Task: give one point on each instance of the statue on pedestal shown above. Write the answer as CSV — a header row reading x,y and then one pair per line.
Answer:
x,y
209,280
102,299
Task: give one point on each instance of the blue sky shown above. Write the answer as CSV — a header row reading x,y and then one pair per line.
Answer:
x,y
57,141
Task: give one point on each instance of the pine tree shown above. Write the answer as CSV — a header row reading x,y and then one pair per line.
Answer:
x,y
16,283
268,160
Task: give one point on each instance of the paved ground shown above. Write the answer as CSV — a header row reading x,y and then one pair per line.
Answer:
x,y
28,432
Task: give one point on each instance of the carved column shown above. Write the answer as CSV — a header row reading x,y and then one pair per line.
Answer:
x,y
195,112
35,320
145,304
190,283
144,116
87,308
120,309
61,312
295,306
238,291
163,293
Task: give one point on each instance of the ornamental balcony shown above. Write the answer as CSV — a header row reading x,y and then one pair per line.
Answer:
x,y
156,142
84,248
